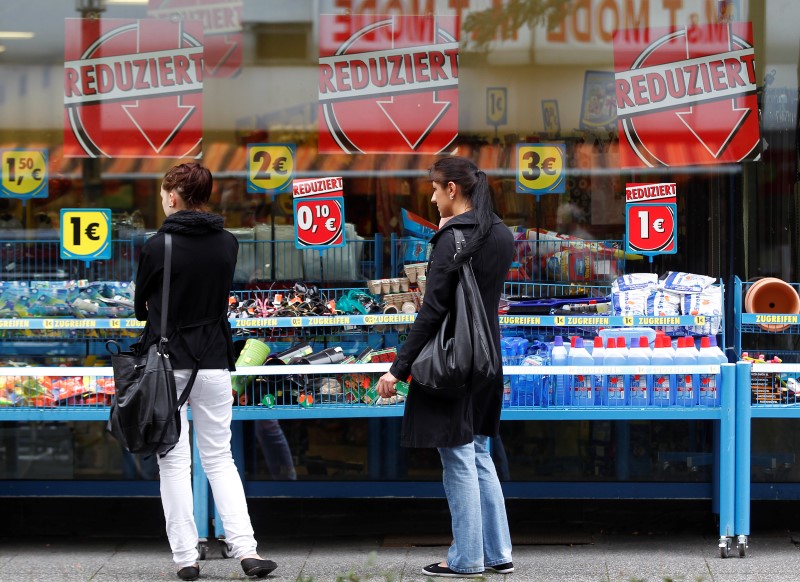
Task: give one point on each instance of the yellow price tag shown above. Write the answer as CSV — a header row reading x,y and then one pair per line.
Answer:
x,y
559,320
627,320
24,173
85,234
540,168
270,168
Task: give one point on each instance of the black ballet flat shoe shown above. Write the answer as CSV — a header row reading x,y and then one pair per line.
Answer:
x,y
189,572
258,568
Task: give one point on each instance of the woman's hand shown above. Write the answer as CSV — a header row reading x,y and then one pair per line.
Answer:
x,y
386,385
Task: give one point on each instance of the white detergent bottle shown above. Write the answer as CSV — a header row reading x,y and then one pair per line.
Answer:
x,y
598,353
709,384
581,384
639,388
614,383
662,381
558,385
686,383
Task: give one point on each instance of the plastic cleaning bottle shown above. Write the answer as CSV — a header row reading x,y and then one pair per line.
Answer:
x,y
506,350
614,384
723,359
518,347
581,385
558,357
685,383
709,384
639,387
598,353
662,382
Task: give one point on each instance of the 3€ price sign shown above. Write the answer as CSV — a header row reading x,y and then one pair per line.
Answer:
x,y
651,229
24,173
270,168
86,234
319,223
540,168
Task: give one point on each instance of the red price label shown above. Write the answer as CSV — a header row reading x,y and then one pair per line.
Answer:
x,y
651,229
319,222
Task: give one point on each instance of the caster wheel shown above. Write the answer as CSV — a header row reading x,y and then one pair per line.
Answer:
x,y
202,549
225,549
724,547
742,546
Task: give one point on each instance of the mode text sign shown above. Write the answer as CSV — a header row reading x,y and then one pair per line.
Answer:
x,y
387,84
133,88
686,96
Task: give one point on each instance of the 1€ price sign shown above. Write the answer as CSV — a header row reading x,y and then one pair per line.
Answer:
x,y
24,173
85,233
651,229
270,168
319,223
540,168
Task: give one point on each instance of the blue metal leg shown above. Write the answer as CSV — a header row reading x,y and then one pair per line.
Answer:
x,y
623,450
715,452
743,426
727,435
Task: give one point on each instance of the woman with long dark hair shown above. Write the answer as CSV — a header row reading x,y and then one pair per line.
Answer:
x,y
460,429
199,341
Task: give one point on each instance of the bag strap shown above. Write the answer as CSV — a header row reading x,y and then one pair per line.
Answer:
x,y
460,241
165,289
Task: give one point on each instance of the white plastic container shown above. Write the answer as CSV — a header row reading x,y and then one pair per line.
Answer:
x,y
638,384
581,385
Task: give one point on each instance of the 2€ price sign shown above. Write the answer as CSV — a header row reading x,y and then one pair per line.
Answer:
x,y
651,229
24,173
540,168
270,168
85,233
319,223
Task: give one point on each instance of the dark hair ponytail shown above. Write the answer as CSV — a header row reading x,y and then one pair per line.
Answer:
x,y
192,182
475,188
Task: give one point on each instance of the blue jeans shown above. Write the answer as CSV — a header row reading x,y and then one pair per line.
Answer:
x,y
480,527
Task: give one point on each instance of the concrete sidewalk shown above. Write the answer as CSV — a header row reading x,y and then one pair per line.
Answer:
x,y
772,557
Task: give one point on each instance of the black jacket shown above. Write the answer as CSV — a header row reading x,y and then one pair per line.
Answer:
x,y
434,422
203,262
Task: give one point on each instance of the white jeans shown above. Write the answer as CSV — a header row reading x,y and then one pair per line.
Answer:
x,y
211,400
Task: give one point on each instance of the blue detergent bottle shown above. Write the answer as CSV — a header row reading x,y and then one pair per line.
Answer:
x,y
598,353
709,384
638,384
507,350
581,384
558,383
662,381
686,392
614,383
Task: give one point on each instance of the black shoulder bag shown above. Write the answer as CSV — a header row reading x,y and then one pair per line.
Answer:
x,y
461,354
145,416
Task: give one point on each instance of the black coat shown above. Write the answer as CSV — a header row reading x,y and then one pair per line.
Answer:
x,y
429,421
203,262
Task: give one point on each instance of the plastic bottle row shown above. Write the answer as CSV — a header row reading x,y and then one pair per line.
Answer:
x,y
661,389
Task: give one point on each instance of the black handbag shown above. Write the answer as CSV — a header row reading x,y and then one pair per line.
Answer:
x,y
461,355
145,416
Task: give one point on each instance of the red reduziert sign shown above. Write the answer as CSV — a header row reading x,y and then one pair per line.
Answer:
x,y
132,88
686,96
222,27
387,84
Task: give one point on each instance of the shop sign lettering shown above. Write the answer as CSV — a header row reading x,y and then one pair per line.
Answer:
x,y
132,88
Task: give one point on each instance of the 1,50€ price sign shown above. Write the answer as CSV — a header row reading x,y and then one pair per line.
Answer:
x,y
319,223
24,173
86,233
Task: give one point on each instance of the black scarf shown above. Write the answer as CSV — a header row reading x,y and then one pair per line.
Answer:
x,y
192,222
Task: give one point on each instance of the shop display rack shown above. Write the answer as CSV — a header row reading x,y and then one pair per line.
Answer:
x,y
763,390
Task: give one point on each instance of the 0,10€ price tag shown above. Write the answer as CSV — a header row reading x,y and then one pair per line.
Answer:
x,y
319,223
24,173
